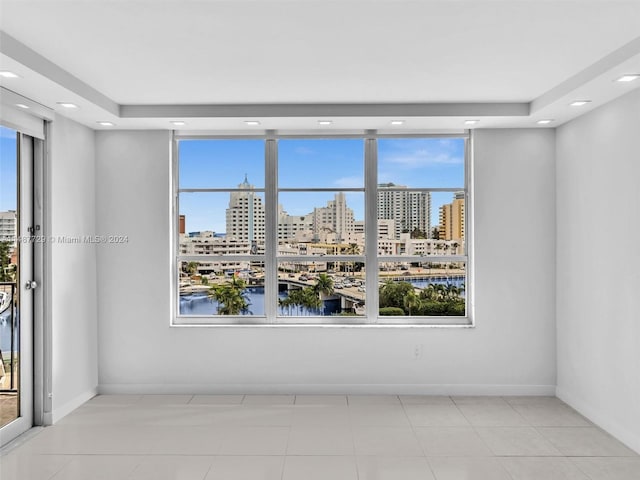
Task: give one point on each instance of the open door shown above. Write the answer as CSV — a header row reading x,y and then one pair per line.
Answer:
x,y
19,236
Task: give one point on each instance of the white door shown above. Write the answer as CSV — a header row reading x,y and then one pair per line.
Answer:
x,y
16,394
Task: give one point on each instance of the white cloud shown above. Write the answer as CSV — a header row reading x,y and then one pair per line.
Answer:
x,y
422,158
420,154
349,182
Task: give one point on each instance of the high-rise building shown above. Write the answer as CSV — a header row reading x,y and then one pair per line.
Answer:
x,y
291,227
245,215
410,210
452,219
8,227
182,226
336,217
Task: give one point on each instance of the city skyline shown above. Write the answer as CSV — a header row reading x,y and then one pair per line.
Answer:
x,y
317,163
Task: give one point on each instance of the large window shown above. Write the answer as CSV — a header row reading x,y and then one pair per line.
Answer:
x,y
369,230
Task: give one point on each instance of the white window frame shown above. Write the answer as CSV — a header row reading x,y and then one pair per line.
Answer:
x,y
270,258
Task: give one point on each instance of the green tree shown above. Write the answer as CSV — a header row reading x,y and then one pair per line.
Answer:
x,y
231,297
324,284
392,293
301,298
417,233
191,268
411,302
6,274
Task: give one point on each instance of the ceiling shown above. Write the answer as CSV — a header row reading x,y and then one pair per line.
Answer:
x,y
288,64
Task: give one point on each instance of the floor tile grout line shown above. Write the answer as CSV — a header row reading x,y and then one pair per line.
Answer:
x,y
413,429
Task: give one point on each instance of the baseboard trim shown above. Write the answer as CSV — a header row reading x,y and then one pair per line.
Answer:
x,y
620,432
325,389
62,411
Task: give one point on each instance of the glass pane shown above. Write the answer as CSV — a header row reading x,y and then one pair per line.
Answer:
x,y
422,289
421,162
448,215
321,288
403,211
321,223
221,163
221,223
9,324
325,163
221,288
421,223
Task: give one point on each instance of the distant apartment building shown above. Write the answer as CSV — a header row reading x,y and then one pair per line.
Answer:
x,y
182,224
245,215
386,228
452,219
336,218
206,243
294,227
8,227
335,221
409,210
422,247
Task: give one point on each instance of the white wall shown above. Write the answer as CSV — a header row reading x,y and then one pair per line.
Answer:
x,y
512,349
73,266
598,273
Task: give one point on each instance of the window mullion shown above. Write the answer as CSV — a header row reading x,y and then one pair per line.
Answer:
x,y
271,230
371,228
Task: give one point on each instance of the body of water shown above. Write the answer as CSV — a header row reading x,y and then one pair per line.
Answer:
x,y
5,333
202,304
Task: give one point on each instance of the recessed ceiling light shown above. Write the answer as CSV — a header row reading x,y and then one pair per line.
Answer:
x,y
106,124
8,74
471,122
22,105
178,123
252,122
324,122
579,103
67,105
544,122
629,77
397,122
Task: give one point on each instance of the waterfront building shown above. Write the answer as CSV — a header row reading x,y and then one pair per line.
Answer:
x,y
451,218
294,227
386,228
408,209
336,218
245,215
8,227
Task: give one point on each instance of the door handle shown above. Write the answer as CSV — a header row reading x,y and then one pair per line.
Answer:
x,y
31,285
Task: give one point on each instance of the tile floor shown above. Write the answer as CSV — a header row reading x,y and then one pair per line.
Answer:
x,y
309,437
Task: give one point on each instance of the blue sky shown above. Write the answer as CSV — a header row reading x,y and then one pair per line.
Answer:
x,y
8,165
312,163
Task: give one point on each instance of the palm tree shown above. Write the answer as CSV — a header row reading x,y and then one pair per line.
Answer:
x,y
352,249
191,268
310,299
231,297
429,293
324,285
411,301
